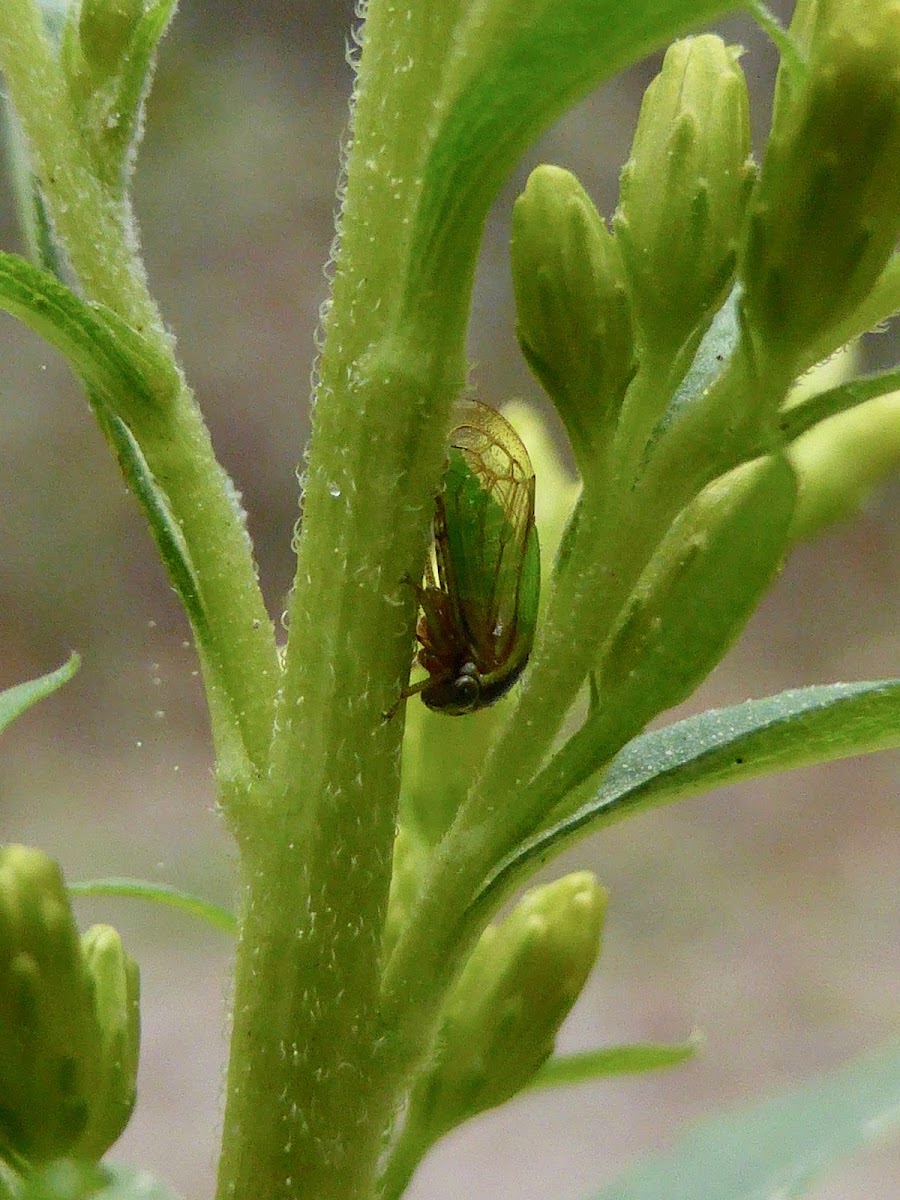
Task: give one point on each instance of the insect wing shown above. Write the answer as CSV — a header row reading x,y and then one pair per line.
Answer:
x,y
485,535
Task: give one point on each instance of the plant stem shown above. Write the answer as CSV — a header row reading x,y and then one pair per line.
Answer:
x,y
306,1116
313,1084
410,1148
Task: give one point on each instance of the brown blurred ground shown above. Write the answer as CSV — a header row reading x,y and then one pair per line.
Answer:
x,y
765,915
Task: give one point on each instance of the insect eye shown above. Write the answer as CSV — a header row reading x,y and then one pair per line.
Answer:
x,y
466,692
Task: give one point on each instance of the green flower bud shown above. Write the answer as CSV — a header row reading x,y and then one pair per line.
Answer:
x,y
116,1004
503,1015
840,461
49,1040
705,579
684,191
574,317
824,218
105,30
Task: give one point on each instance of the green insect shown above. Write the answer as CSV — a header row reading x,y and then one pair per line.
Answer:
x,y
479,598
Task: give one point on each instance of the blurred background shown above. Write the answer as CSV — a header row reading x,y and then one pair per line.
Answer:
x,y
765,915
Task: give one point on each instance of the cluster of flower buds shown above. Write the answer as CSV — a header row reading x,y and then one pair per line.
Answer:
x,y
69,1021
594,306
804,242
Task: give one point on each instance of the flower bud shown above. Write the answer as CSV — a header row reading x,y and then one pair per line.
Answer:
x,y
49,1040
68,1021
824,219
116,1003
503,1015
840,461
705,579
684,190
574,319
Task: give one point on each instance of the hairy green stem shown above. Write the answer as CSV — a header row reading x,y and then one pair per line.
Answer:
x,y
306,1116
313,1120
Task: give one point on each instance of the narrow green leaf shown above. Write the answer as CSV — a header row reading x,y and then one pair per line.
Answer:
x,y
776,1149
793,729
159,893
781,39
612,1060
137,72
112,360
165,529
15,700
799,418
